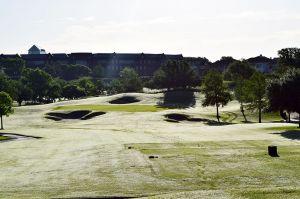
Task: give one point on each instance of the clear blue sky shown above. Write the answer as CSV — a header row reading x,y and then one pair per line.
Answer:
x,y
212,28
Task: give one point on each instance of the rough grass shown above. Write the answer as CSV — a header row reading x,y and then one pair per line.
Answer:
x,y
241,168
116,108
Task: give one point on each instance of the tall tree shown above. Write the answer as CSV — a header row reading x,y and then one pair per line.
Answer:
x,y
13,67
130,80
284,92
175,74
239,72
215,93
256,88
39,82
6,104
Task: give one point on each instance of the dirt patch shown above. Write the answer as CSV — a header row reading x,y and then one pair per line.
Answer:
x,y
125,100
73,115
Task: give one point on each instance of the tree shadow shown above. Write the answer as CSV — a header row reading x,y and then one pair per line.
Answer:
x,y
178,99
293,135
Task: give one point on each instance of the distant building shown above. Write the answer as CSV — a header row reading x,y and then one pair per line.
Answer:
x,y
262,63
113,63
35,50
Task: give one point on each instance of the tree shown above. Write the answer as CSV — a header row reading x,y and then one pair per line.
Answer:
x,y
290,57
72,92
87,85
71,72
283,92
215,93
115,86
241,95
22,92
6,104
39,82
175,74
97,71
130,80
256,88
13,67
240,70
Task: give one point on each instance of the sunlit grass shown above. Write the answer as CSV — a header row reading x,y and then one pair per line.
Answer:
x,y
240,168
283,128
115,108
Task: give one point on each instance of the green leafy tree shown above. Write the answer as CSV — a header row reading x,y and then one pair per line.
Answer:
x,y
99,87
71,72
13,67
215,93
130,80
39,82
239,72
283,92
87,85
72,92
6,104
242,96
256,88
115,86
175,74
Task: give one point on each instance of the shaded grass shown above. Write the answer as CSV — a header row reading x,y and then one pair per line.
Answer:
x,y
116,108
2,138
228,166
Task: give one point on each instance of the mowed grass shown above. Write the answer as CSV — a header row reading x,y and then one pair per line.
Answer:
x,y
116,108
252,117
283,128
241,169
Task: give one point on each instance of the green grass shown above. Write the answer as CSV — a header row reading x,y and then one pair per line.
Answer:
x,y
283,128
3,138
240,168
117,108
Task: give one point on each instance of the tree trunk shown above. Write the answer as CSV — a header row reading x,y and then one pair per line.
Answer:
x,y
289,113
259,115
243,112
1,123
218,116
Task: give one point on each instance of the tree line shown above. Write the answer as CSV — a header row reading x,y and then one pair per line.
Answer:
x,y
278,91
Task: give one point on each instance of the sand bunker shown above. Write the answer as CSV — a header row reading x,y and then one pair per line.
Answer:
x,y
178,117
73,115
125,100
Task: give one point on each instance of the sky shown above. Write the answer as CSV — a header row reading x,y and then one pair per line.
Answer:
x,y
211,28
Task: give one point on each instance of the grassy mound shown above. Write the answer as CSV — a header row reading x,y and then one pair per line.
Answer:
x,y
125,100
